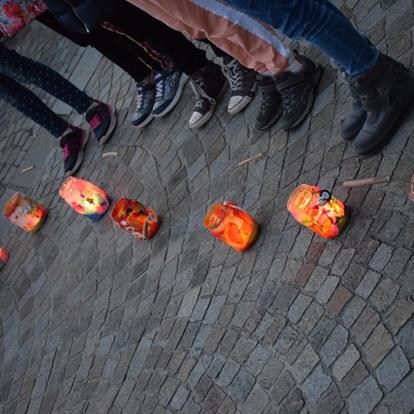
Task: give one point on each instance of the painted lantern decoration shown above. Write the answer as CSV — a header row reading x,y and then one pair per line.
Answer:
x,y
133,217
318,210
25,213
85,198
232,225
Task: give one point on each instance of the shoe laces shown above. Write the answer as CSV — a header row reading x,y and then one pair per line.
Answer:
x,y
160,88
198,86
234,74
142,97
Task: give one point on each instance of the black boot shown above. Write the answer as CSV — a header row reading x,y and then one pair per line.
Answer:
x,y
354,121
298,92
386,92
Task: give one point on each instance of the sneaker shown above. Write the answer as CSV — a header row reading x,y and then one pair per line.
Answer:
x,y
169,85
271,107
73,143
243,85
298,92
207,84
145,102
102,119
355,120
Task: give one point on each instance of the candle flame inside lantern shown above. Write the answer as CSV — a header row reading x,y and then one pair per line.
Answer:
x,y
85,198
232,225
325,217
4,257
132,216
25,213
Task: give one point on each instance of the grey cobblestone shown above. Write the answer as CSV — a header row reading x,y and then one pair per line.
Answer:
x,y
95,321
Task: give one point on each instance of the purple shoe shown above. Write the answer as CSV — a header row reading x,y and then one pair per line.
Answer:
x,y
102,119
73,143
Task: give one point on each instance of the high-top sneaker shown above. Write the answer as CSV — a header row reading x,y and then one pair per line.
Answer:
x,y
386,92
243,84
73,143
298,92
169,85
271,107
207,85
102,119
145,103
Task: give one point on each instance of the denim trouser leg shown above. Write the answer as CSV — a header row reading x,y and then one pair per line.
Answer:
x,y
319,22
27,102
26,70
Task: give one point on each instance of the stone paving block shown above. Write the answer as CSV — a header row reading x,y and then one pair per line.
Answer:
x,y
368,284
377,346
334,346
241,386
401,399
188,303
364,398
342,261
327,289
227,373
381,257
364,325
345,362
255,402
392,369
305,363
281,387
315,385
298,307
384,294
338,300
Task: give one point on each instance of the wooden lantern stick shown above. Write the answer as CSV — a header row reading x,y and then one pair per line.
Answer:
x,y
366,182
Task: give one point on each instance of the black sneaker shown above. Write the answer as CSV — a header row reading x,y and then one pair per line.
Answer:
x,y
298,92
207,84
102,119
169,85
145,103
271,107
73,143
243,85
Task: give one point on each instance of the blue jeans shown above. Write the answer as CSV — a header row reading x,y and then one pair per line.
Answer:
x,y
319,22
16,69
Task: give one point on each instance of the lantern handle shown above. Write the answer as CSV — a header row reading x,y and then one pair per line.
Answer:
x,y
325,196
230,203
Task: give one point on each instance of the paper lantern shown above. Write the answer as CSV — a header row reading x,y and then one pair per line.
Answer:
x,y
85,198
232,225
133,217
25,213
318,210
4,257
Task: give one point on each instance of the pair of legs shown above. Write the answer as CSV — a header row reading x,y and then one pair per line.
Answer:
x,y
16,70
382,88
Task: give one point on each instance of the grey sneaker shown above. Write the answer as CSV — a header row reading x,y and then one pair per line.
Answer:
x,y
243,85
207,84
169,85
145,102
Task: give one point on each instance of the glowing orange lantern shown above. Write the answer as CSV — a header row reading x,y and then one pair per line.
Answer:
x,y
318,210
85,198
232,225
25,213
132,216
4,257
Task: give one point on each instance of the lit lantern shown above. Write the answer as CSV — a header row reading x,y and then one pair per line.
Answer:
x,y
132,216
232,225
411,188
4,257
318,210
85,198
25,213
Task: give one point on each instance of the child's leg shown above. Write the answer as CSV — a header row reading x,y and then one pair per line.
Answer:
x,y
26,70
28,103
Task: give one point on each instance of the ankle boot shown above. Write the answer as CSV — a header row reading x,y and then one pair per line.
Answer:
x,y
354,121
385,91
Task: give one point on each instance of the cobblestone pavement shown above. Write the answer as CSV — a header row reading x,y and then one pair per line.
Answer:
x,y
94,321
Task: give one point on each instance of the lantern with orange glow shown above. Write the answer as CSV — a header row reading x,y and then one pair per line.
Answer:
x,y
25,213
232,225
4,257
318,210
133,217
85,198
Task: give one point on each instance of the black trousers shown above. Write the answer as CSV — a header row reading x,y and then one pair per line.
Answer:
x,y
130,56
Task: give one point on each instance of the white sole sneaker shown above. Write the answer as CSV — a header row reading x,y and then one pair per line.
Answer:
x,y
111,128
145,122
183,80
